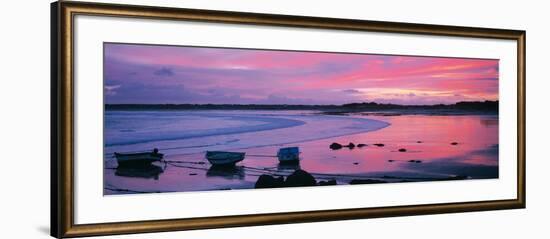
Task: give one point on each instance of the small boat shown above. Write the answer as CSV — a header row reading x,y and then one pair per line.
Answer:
x,y
138,159
290,154
223,158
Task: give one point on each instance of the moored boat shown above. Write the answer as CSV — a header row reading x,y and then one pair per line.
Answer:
x,y
223,158
289,154
138,159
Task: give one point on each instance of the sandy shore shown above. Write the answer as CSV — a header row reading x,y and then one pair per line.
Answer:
x,y
427,139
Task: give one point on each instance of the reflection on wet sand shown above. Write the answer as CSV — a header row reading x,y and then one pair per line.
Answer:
x,y
481,163
413,148
227,172
145,171
288,166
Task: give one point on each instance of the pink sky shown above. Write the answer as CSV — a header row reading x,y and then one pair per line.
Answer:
x,y
197,75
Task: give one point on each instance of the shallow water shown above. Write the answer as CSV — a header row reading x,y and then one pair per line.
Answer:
x,y
184,136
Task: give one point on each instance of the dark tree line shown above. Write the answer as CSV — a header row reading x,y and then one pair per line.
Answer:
x,y
487,106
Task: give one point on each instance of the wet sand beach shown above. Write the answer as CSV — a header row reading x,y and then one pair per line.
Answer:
x,y
415,148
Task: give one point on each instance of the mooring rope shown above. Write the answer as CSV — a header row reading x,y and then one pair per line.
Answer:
x,y
387,143
260,155
256,172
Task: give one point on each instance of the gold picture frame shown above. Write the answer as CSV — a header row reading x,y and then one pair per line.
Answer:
x,y
62,121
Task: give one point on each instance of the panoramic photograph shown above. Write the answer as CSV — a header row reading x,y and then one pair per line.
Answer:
x,y
190,118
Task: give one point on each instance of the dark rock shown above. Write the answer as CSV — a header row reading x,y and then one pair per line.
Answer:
x,y
402,150
300,178
418,161
335,146
193,174
361,145
327,183
411,161
268,181
419,142
356,163
391,160
350,145
365,181
454,143
379,145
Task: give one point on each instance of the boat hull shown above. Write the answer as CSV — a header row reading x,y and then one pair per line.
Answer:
x,y
221,158
138,159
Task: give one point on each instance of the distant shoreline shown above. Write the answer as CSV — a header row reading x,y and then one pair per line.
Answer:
x,y
460,108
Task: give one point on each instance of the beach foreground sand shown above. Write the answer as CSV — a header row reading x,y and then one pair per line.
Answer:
x,y
415,148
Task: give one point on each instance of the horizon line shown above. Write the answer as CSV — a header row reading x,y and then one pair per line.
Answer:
x,y
372,102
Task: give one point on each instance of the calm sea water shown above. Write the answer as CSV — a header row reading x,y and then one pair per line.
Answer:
x,y
184,136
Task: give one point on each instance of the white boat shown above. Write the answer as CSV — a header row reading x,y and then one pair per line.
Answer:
x,y
138,159
223,158
289,154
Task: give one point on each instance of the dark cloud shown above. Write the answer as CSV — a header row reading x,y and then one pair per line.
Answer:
x,y
351,91
488,79
279,99
164,72
138,93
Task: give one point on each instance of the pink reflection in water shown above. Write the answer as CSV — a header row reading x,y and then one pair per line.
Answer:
x,y
426,138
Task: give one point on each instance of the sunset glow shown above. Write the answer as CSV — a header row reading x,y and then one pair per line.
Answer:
x,y
150,74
